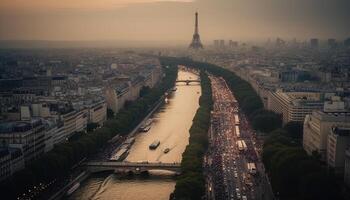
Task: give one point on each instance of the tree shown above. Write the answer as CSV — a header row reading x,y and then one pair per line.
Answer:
x,y
110,113
144,90
91,126
294,129
266,121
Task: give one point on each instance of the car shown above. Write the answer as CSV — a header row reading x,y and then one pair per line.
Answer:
x,y
244,197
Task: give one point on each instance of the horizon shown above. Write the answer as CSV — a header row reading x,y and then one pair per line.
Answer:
x,y
173,20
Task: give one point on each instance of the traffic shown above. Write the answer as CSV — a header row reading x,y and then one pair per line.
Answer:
x,y
232,167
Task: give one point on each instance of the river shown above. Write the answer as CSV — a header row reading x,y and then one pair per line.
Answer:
x,y
171,126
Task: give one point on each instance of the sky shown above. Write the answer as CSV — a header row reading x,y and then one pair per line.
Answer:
x,y
172,20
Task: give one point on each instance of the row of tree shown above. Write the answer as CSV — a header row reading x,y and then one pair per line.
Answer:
x,y
191,183
248,99
58,163
294,174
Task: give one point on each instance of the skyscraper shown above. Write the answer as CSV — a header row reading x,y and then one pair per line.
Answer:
x,y
314,43
196,41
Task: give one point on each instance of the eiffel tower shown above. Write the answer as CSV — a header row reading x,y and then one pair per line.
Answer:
x,y
196,41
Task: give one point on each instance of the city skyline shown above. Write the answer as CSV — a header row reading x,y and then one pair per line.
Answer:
x,y
175,99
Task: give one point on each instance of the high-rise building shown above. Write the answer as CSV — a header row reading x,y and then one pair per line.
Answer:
x,y
232,44
222,43
347,42
280,42
216,43
314,43
196,41
332,43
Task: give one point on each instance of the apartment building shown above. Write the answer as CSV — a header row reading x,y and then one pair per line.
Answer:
x,y
338,142
97,112
29,136
317,127
294,106
11,160
347,167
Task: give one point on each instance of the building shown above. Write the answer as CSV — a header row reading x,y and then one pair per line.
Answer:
x,y
69,122
81,120
60,134
11,160
97,112
29,136
288,76
332,43
222,44
50,131
294,106
5,164
338,142
232,44
116,96
317,127
314,43
347,42
347,167
40,110
216,43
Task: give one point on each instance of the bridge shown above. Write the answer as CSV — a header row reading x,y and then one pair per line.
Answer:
x,y
188,81
136,167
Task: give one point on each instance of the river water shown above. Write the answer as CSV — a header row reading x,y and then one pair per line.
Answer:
x,y
171,126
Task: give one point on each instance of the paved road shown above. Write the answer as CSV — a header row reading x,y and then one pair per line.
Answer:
x,y
228,176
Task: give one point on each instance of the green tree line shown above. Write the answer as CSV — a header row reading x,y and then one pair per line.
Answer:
x,y
191,183
294,174
58,162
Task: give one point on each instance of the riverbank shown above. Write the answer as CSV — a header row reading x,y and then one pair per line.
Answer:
x,y
117,140
191,184
85,174
56,164
171,124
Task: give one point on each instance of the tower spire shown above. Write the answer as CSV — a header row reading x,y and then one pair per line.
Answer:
x,y
196,41
196,24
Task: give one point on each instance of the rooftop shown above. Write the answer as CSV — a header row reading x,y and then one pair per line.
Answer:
x,y
19,126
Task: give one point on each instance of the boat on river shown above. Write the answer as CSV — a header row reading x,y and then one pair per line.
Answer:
x,y
146,126
166,150
121,154
154,145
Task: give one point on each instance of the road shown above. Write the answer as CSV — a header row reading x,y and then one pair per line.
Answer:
x,y
226,162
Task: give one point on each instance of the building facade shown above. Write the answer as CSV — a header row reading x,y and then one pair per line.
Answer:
x,y
317,127
294,106
28,136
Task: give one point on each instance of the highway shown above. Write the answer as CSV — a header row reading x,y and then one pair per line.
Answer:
x,y
225,164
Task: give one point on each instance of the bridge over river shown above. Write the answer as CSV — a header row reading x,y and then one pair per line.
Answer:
x,y
188,81
135,167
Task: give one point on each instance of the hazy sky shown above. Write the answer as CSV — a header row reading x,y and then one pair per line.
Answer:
x,y
172,20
